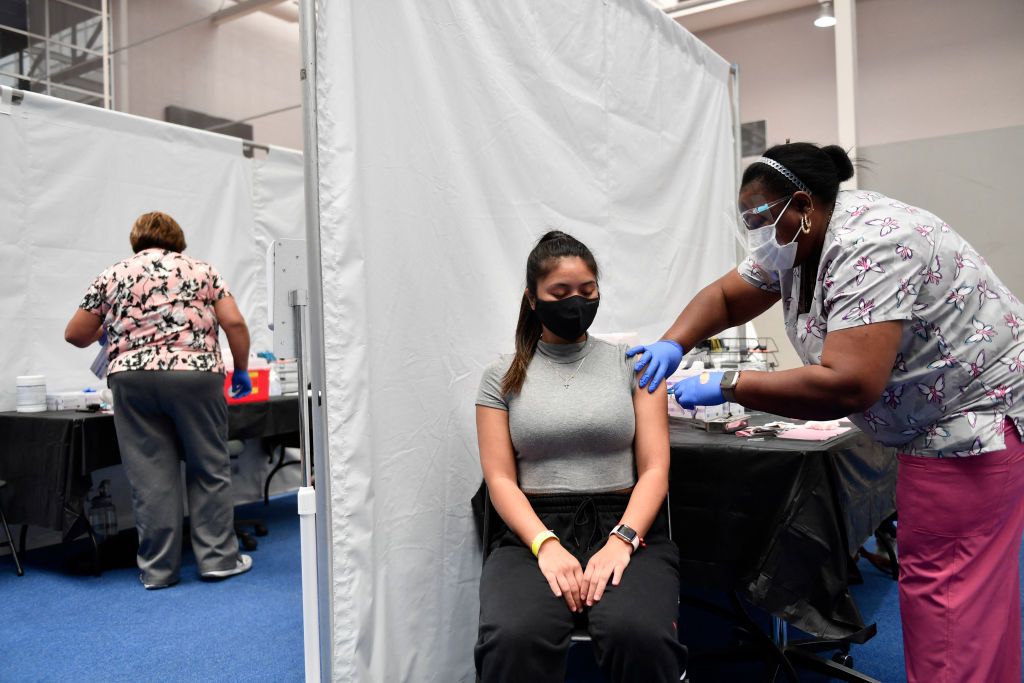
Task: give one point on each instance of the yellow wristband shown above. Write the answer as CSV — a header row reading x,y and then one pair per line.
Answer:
x,y
539,539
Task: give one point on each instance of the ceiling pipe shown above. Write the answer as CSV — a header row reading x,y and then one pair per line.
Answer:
x,y
241,9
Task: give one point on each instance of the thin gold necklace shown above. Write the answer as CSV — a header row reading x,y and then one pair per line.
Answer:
x,y
566,381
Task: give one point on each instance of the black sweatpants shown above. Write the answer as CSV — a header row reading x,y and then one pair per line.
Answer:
x,y
525,629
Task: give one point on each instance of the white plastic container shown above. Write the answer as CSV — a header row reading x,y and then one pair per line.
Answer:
x,y
31,394
66,400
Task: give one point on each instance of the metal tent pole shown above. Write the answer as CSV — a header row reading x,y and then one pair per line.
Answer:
x,y
737,138
315,381
298,299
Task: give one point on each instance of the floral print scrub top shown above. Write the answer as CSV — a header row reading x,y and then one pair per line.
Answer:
x,y
960,367
157,308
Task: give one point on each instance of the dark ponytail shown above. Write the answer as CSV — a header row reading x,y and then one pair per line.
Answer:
x,y
819,168
544,257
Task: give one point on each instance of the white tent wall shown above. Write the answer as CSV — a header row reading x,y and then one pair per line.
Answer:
x,y
450,137
75,177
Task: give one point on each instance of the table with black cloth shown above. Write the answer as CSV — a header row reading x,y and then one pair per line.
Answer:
x,y
778,520
46,458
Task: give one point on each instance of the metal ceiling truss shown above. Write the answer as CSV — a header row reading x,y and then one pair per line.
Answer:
x,y
60,61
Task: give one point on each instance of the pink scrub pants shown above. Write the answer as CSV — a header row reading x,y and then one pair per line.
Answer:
x,y
959,537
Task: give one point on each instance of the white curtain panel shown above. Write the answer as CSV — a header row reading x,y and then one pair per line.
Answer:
x,y
451,136
75,177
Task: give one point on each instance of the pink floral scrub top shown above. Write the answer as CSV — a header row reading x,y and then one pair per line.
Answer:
x,y
960,367
157,308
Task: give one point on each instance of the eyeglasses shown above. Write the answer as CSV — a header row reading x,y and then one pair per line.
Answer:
x,y
763,215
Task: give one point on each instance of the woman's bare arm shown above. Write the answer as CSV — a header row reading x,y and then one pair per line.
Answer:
x,y
84,329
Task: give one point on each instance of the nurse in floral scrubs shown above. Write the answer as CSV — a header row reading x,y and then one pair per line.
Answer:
x,y
161,311
903,327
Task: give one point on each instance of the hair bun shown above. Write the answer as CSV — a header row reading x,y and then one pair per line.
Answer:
x,y
841,160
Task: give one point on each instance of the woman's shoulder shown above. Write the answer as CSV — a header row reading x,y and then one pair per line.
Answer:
x,y
195,264
866,222
874,214
489,393
126,268
613,355
609,349
499,366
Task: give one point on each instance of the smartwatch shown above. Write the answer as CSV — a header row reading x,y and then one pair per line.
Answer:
x,y
627,534
728,386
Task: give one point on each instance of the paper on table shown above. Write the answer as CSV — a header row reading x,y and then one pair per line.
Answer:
x,y
99,364
809,434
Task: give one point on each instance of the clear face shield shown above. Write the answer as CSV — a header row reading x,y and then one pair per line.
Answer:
x,y
760,222
765,215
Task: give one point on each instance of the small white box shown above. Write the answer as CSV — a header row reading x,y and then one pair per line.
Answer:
x,y
66,400
710,412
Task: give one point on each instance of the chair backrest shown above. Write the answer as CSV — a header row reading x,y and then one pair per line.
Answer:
x,y
485,527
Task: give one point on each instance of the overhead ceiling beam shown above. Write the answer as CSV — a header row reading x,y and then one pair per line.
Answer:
x,y
76,68
288,11
241,9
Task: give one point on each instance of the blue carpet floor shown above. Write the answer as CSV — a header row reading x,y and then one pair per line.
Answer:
x,y
63,627
59,626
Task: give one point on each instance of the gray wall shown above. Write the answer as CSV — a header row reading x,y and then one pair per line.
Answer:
x,y
928,70
973,181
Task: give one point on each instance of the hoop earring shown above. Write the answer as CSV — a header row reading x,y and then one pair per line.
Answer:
x,y
805,224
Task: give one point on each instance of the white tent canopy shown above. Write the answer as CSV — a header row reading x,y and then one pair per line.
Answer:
x,y
450,137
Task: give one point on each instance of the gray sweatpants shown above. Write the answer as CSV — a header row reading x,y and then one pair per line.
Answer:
x,y
162,417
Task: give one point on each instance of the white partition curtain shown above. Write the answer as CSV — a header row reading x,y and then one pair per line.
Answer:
x,y
75,177
451,136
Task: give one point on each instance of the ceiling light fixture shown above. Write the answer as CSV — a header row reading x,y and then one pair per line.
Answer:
x,y
826,15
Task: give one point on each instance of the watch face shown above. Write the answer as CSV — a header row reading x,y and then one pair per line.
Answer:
x,y
626,532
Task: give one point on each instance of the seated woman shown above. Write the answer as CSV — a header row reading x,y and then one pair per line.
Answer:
x,y
576,461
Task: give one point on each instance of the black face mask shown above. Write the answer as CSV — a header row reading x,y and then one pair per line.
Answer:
x,y
568,318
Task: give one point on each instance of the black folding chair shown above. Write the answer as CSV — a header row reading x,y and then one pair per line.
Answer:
x,y
580,632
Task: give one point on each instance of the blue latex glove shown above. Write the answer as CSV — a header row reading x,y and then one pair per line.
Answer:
x,y
663,357
703,390
241,385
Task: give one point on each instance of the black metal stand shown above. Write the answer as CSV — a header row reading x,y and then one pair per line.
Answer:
x,y
803,655
281,464
10,540
81,526
753,645
259,528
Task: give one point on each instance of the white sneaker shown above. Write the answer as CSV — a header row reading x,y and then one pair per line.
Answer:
x,y
244,565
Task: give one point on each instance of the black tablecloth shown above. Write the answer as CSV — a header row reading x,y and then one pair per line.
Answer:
x,y
46,458
778,519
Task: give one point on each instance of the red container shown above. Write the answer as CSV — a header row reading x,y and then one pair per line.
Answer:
x,y
260,379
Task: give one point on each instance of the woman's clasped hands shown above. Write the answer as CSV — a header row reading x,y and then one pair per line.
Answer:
x,y
568,580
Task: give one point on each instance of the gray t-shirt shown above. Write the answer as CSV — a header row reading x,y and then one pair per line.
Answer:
x,y
572,425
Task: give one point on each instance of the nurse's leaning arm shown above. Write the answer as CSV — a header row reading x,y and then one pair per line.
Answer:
x,y
856,363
